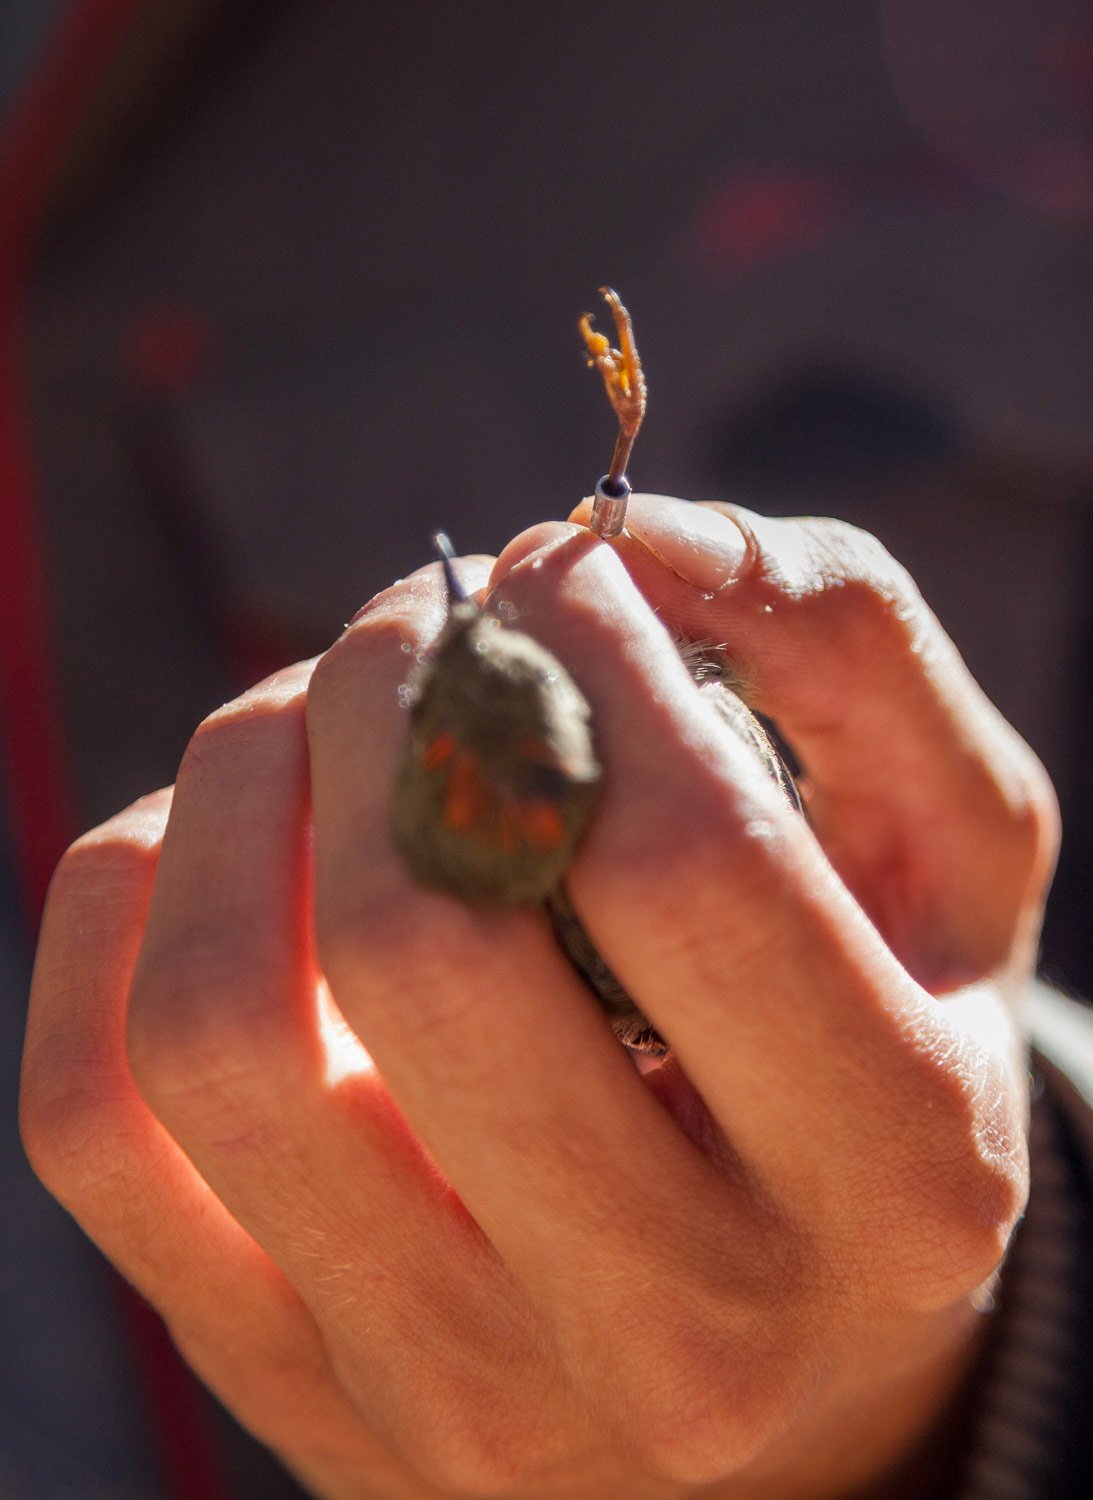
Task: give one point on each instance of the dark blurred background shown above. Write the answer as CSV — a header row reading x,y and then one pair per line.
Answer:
x,y
285,286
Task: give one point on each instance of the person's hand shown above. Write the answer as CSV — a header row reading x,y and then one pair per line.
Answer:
x,y
499,1261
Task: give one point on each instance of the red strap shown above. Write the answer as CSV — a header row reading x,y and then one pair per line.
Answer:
x,y
35,134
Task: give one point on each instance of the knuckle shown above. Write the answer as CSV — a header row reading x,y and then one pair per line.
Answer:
x,y
852,586
944,1253
72,1127
52,1125
964,1254
701,1404
361,674
276,1368
104,868
456,1461
955,1194
332,668
283,689
987,1194
228,739
871,614
849,551
485,1447
72,1103
1030,819
197,1023
389,634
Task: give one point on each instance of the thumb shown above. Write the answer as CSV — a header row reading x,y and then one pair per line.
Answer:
x,y
918,786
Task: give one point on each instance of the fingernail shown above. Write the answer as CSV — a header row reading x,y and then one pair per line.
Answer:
x,y
703,547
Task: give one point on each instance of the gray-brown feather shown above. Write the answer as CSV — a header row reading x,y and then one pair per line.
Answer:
x,y
494,689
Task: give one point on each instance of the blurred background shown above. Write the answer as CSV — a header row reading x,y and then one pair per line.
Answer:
x,y
284,286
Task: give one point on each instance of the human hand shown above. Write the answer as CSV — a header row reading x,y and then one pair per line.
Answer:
x,y
499,1262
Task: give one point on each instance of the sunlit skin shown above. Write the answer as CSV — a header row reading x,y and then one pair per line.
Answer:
x,y
421,1225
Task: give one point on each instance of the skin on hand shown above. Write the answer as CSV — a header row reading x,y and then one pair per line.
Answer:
x,y
487,1258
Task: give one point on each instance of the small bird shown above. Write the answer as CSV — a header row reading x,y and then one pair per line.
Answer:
x,y
500,775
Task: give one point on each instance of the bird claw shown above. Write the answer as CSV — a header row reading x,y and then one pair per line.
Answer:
x,y
620,369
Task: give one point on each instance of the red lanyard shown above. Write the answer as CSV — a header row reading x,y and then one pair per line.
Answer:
x,y
33,139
